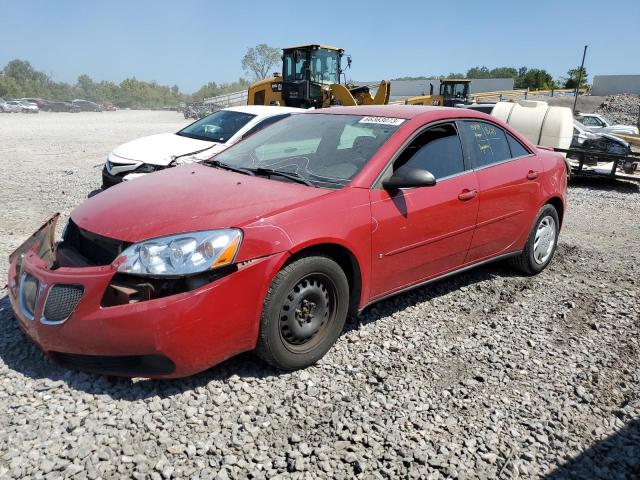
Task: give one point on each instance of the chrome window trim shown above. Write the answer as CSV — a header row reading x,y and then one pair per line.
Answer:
x,y
23,308
483,167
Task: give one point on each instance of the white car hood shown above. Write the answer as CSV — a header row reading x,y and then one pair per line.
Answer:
x,y
621,129
163,148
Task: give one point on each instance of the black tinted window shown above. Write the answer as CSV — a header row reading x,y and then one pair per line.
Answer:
x,y
487,143
264,123
437,150
517,150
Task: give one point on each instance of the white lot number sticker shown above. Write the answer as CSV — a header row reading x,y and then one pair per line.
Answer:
x,y
382,120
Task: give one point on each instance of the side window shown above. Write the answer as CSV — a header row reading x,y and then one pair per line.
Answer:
x,y
590,121
486,142
437,150
517,150
264,123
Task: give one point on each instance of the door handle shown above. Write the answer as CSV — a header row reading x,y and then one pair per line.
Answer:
x,y
467,195
532,175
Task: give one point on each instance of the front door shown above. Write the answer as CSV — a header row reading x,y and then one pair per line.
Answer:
x,y
422,232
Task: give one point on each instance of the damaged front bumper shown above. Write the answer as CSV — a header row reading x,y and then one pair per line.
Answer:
x,y
62,310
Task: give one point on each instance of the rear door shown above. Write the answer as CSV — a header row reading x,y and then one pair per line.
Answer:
x,y
508,180
419,233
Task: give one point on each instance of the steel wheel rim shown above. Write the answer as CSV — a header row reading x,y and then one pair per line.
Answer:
x,y
545,240
307,312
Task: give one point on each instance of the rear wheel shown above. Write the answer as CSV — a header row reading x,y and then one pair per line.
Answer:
x,y
541,244
304,312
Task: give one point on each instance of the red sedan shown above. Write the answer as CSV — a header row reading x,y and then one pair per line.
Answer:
x,y
271,244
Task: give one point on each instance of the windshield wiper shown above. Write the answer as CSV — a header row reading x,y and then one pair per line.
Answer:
x,y
216,163
290,175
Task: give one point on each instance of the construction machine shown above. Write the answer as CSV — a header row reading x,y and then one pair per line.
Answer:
x,y
311,77
453,91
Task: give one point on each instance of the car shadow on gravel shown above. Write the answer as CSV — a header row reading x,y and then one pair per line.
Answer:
x,y
604,184
617,456
21,355
430,291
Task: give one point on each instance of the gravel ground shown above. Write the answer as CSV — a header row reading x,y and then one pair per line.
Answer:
x,y
485,375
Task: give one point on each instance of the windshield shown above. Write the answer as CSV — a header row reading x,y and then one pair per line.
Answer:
x,y
217,127
324,149
457,90
322,65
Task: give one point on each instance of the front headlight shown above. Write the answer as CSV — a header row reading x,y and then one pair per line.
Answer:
x,y
181,254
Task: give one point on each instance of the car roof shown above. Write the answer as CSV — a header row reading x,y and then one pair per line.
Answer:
x,y
402,111
264,110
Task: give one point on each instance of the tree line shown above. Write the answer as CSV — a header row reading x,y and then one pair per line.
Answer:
x,y
18,79
524,77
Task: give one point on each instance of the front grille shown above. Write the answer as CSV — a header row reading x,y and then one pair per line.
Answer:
x,y
95,249
29,294
127,365
62,300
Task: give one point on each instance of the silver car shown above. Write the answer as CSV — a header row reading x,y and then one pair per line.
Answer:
x,y
12,106
598,124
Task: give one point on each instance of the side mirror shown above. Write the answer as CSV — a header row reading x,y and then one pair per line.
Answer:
x,y
348,61
409,177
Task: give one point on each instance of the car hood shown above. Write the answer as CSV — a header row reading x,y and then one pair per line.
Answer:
x,y
163,148
187,198
621,129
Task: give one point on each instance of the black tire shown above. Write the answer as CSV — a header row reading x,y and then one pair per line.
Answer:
x,y
304,312
528,261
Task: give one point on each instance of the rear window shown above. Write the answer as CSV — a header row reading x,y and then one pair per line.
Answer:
x,y
517,150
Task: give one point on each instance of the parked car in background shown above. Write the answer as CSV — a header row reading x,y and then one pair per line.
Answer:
x,y
17,106
11,106
63,107
41,103
600,142
598,124
108,107
272,243
198,141
86,105
29,107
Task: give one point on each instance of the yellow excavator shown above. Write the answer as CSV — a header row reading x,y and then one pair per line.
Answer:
x,y
453,91
311,78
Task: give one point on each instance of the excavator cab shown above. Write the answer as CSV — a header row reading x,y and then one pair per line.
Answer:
x,y
454,91
307,72
311,77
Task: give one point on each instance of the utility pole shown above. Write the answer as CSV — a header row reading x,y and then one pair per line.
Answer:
x,y
575,100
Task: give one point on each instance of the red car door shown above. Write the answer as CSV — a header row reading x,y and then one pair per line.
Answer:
x,y
508,181
422,232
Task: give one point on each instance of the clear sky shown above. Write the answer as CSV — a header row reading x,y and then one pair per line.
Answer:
x,y
191,42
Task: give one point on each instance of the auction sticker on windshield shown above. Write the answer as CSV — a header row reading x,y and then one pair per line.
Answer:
x,y
382,120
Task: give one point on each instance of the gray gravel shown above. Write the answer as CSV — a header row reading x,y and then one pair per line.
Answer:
x,y
485,375
622,109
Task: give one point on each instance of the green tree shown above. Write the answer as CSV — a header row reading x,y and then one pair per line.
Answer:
x,y
534,79
478,72
9,88
572,78
504,72
259,59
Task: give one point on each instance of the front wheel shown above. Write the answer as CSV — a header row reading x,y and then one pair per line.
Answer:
x,y
304,312
541,244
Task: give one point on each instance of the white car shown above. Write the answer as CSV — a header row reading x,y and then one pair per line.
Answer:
x,y
198,141
12,106
599,124
29,107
